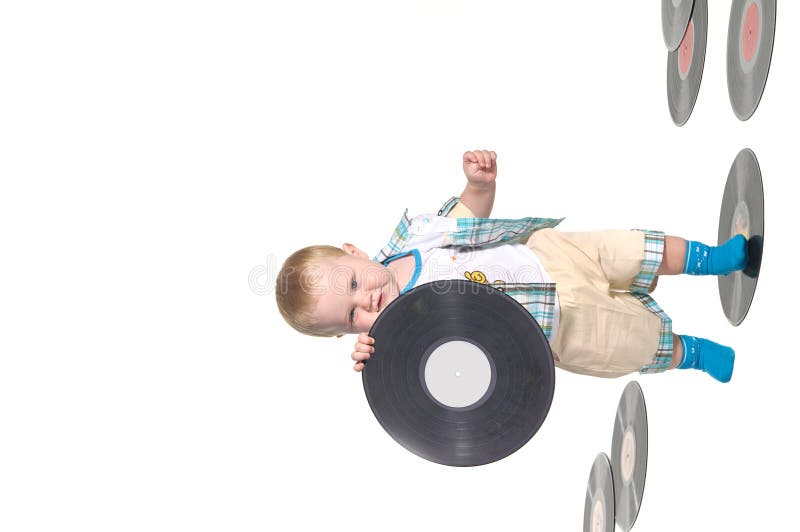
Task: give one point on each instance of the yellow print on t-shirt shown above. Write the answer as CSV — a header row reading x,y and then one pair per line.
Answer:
x,y
480,277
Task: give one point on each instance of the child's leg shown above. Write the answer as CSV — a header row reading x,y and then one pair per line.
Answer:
x,y
696,258
674,256
677,351
690,352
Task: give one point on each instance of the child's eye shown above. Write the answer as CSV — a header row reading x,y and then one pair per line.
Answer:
x,y
353,285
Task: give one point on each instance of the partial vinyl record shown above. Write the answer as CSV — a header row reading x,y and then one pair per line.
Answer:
x,y
751,35
685,65
598,512
742,212
462,375
629,455
674,19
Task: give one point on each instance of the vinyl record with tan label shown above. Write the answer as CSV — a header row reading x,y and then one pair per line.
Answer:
x,y
742,212
461,375
751,35
598,512
629,455
685,65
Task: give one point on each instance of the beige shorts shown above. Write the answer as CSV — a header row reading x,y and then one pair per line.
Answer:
x,y
608,325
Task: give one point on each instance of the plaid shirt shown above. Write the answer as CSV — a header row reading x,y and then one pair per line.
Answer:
x,y
538,298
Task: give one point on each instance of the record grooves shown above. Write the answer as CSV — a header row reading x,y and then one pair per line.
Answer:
x,y
598,510
742,212
495,342
685,65
674,19
751,37
629,455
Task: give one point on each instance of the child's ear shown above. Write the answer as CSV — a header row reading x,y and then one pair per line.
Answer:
x,y
350,249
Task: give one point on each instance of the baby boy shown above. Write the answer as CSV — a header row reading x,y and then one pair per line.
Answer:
x,y
589,291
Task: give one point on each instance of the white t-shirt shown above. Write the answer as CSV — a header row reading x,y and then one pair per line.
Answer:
x,y
495,265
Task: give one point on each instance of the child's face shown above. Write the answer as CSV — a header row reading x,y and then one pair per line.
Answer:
x,y
353,290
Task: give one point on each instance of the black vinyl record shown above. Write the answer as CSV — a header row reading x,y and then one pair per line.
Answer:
x,y
742,211
751,36
462,375
685,65
674,20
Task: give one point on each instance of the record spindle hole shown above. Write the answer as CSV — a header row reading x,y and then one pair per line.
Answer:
x,y
628,455
750,35
686,51
457,373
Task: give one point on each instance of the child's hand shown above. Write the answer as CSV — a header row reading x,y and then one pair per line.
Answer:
x,y
480,167
363,350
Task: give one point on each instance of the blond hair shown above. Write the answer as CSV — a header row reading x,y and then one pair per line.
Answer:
x,y
296,302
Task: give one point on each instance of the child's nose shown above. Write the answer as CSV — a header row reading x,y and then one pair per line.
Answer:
x,y
367,301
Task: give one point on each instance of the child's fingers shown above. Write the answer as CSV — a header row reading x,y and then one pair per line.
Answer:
x,y
359,356
482,158
364,348
487,159
364,338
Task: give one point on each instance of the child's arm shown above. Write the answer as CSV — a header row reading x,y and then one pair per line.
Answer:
x,y
480,169
477,199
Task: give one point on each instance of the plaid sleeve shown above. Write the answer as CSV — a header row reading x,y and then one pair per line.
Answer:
x,y
398,240
474,231
448,205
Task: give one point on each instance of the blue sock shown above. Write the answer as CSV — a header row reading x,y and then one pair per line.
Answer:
x,y
716,260
705,355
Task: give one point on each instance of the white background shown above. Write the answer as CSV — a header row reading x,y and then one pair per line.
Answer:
x,y
160,160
